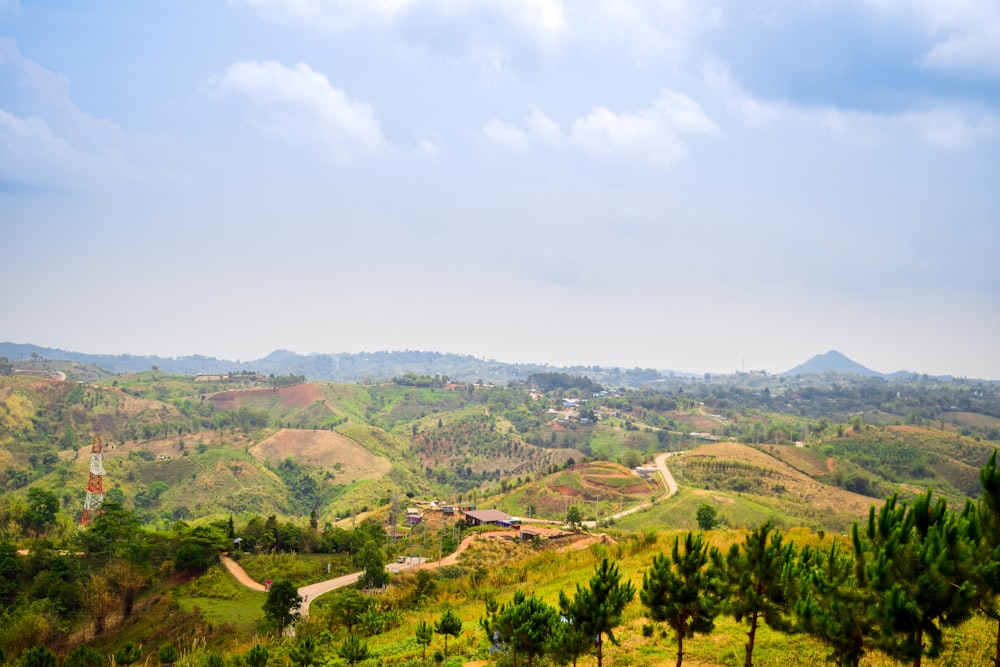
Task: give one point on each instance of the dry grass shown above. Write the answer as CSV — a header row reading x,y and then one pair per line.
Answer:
x,y
796,484
328,450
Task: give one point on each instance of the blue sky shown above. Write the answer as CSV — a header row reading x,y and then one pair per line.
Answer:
x,y
690,185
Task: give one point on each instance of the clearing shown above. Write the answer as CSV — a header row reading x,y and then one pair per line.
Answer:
x,y
327,450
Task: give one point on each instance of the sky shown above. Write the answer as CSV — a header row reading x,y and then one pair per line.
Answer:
x,y
693,185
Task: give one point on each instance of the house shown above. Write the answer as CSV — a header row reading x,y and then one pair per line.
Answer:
x,y
647,471
537,533
486,517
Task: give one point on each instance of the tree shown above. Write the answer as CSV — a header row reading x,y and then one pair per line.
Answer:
x,y
303,654
918,563
987,535
598,608
282,604
127,578
568,642
127,654
84,656
685,590
448,624
759,573
525,625
38,656
41,511
369,559
10,573
168,654
256,657
353,650
707,517
346,607
574,516
831,606
425,635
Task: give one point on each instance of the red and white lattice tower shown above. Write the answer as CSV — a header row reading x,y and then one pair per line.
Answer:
x,y
95,485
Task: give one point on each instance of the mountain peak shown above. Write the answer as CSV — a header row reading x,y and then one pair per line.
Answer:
x,y
831,361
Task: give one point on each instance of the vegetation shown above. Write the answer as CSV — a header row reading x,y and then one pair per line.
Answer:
x,y
187,479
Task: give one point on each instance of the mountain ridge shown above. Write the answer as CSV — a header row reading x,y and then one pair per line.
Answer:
x,y
364,367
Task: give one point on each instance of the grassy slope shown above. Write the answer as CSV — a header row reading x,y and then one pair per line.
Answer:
x,y
508,567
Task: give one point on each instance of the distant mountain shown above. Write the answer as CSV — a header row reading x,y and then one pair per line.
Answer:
x,y
834,362
361,367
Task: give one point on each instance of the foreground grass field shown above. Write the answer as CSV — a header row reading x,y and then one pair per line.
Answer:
x,y
496,569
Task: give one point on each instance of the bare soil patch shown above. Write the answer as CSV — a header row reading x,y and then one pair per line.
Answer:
x,y
696,421
328,450
298,396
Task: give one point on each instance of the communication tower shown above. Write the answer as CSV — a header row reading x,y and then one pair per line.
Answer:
x,y
95,485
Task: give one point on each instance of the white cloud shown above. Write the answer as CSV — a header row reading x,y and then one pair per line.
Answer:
x,y
430,148
545,128
640,30
942,124
299,106
49,141
651,134
504,135
965,34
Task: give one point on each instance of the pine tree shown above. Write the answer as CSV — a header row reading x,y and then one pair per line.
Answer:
x,y
353,650
257,656
918,563
568,642
424,635
448,624
831,606
984,520
525,624
303,654
759,574
684,590
598,608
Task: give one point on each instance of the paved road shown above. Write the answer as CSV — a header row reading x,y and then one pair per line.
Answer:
x,y
668,480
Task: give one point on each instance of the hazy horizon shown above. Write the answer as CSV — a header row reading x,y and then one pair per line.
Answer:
x,y
697,186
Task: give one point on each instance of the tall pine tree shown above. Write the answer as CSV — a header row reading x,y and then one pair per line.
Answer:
x,y
918,563
598,608
984,520
525,625
684,590
831,606
759,574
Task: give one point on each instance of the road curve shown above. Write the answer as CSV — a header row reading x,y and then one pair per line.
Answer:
x,y
668,479
313,591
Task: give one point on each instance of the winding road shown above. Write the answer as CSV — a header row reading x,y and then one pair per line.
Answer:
x,y
312,591
668,481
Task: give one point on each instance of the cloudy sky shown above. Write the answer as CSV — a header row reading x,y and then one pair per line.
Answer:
x,y
697,185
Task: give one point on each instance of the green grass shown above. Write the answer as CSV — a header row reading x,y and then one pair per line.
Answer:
x,y
678,512
222,600
300,569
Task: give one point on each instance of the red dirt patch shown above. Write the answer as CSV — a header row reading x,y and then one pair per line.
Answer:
x,y
299,396
325,449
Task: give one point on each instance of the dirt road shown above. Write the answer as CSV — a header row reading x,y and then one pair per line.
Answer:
x,y
241,575
313,591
